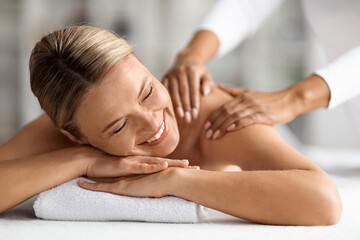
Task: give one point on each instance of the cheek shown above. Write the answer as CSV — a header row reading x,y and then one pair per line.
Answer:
x,y
119,146
163,97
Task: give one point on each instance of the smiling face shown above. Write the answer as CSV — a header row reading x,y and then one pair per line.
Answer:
x,y
128,112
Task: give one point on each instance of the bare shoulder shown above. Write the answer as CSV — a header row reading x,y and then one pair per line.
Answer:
x,y
38,136
256,147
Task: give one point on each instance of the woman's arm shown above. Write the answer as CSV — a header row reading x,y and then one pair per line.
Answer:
x,y
22,178
39,157
280,197
37,137
278,184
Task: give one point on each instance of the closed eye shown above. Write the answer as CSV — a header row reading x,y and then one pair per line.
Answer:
x,y
118,130
149,94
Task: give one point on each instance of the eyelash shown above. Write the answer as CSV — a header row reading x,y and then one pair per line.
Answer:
x,y
147,96
150,93
120,127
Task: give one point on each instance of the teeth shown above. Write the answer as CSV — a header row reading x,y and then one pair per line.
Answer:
x,y
158,134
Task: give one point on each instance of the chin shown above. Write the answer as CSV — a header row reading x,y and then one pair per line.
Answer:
x,y
166,150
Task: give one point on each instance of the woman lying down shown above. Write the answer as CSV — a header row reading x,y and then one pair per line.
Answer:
x,y
109,119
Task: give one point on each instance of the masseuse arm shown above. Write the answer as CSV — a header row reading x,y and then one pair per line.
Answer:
x,y
278,184
189,75
329,87
251,106
226,25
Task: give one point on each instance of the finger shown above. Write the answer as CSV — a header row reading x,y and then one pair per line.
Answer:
x,y
220,116
184,95
206,83
245,122
105,179
171,162
194,83
194,167
175,97
100,187
229,124
166,83
231,90
145,168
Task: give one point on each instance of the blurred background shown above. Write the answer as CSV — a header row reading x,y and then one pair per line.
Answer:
x,y
283,51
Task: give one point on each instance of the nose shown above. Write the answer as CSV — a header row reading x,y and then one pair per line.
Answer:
x,y
149,123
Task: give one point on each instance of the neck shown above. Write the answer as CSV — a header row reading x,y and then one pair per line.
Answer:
x,y
192,135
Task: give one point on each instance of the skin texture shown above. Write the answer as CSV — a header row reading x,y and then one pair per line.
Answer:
x,y
277,185
144,113
189,76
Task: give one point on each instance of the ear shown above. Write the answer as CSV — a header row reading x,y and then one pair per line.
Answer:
x,y
72,137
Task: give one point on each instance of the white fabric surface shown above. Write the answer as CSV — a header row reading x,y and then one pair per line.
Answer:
x,y
68,201
234,20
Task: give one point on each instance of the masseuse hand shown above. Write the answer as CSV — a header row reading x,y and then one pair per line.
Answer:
x,y
100,164
249,107
185,81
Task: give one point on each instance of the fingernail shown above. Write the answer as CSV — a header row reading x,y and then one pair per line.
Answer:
x,y
180,112
231,127
81,182
187,117
194,112
207,125
208,134
185,161
206,90
216,134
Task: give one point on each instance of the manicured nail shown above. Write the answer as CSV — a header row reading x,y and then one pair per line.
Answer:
x,y
207,125
206,91
231,127
216,134
81,182
208,134
185,161
187,117
180,112
194,113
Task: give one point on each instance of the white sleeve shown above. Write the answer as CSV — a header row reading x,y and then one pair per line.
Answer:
x,y
343,77
234,20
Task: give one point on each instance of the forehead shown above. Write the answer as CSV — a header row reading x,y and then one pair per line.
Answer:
x,y
112,95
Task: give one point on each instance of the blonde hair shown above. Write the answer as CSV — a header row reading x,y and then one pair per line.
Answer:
x,y
66,63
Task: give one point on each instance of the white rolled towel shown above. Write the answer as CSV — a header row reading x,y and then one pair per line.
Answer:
x,y
68,201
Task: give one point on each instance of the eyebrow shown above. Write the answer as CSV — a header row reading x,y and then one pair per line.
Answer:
x,y
118,119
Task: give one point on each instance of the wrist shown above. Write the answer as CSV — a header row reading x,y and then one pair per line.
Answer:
x,y
310,94
202,47
296,100
173,177
81,158
189,56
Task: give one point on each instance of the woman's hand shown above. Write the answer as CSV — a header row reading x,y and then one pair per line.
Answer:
x,y
100,164
249,107
184,81
149,185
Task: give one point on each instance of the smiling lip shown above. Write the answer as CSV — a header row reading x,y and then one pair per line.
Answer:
x,y
161,138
